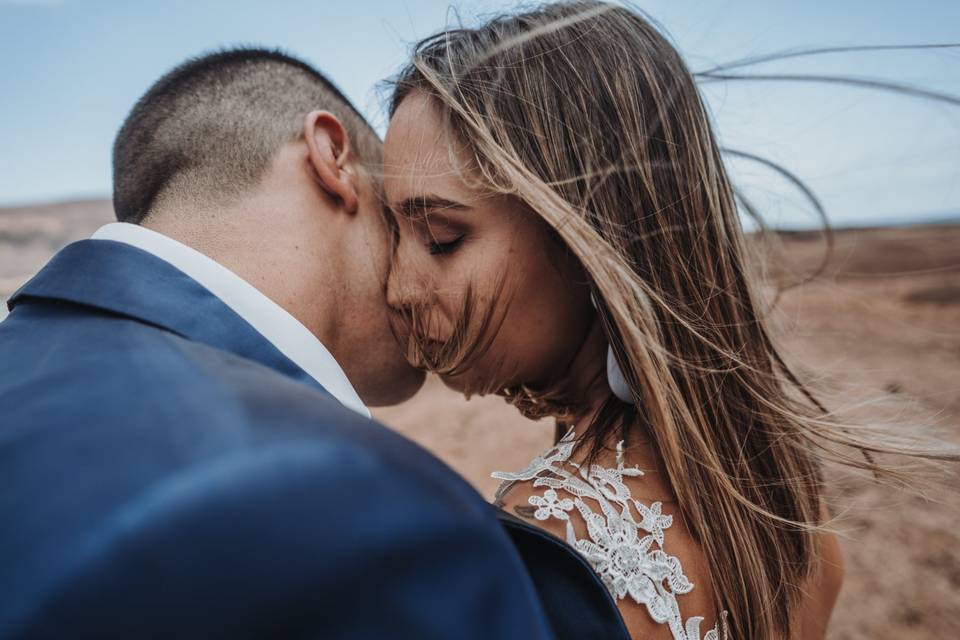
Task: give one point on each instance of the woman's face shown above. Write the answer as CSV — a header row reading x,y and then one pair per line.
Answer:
x,y
454,238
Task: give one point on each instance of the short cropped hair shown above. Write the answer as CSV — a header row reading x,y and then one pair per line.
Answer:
x,y
207,130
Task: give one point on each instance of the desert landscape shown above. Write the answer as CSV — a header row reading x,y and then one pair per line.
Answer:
x,y
881,323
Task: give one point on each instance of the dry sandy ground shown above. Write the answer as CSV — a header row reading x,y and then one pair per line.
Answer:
x,y
884,322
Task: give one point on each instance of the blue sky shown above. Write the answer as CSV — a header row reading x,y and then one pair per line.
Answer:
x,y
71,69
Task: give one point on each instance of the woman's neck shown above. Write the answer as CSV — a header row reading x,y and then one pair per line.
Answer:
x,y
588,390
586,384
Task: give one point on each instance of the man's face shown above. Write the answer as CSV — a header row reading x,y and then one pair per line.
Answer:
x,y
370,355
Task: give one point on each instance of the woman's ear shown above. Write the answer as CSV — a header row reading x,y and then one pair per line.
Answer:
x,y
330,157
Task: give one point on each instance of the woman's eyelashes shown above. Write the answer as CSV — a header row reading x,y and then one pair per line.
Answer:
x,y
437,233
437,248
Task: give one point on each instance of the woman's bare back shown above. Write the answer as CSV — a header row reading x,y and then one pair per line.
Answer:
x,y
626,523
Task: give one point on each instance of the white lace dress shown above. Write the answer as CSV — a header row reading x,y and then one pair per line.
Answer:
x,y
625,550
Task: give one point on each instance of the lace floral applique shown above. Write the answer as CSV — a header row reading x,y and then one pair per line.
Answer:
x,y
625,550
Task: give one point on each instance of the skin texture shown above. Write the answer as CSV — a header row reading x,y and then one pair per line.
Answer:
x,y
463,237
469,242
311,236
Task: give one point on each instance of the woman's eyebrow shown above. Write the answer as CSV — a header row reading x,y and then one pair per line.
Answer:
x,y
418,205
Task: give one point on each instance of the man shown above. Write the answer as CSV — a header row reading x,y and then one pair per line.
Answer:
x,y
185,449
181,454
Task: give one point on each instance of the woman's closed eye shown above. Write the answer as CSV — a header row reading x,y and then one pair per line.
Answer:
x,y
440,234
434,220
442,248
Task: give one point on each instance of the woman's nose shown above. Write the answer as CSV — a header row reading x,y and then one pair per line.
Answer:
x,y
404,290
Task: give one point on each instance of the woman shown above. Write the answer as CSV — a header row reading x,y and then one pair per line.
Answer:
x,y
568,238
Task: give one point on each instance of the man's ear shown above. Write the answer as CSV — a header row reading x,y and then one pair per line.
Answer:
x,y
330,157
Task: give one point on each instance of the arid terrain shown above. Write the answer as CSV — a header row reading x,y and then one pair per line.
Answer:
x,y
882,323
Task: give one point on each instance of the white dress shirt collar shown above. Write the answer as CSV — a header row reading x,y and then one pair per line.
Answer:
x,y
271,320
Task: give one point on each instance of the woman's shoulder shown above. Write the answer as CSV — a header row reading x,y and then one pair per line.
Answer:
x,y
824,584
614,512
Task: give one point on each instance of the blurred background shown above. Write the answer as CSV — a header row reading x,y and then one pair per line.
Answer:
x,y
882,321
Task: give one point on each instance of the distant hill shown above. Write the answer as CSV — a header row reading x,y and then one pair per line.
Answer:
x,y
29,235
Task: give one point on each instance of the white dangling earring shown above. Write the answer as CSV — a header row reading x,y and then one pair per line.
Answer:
x,y
618,384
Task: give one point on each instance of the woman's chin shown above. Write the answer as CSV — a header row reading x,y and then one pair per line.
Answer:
x,y
462,383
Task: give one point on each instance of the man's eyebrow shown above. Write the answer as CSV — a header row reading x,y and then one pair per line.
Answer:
x,y
418,205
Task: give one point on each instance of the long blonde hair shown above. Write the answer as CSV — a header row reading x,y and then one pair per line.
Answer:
x,y
589,116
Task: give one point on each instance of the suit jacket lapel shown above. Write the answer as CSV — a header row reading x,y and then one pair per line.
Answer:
x,y
128,281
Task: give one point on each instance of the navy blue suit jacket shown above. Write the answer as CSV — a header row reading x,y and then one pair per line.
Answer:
x,y
165,472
